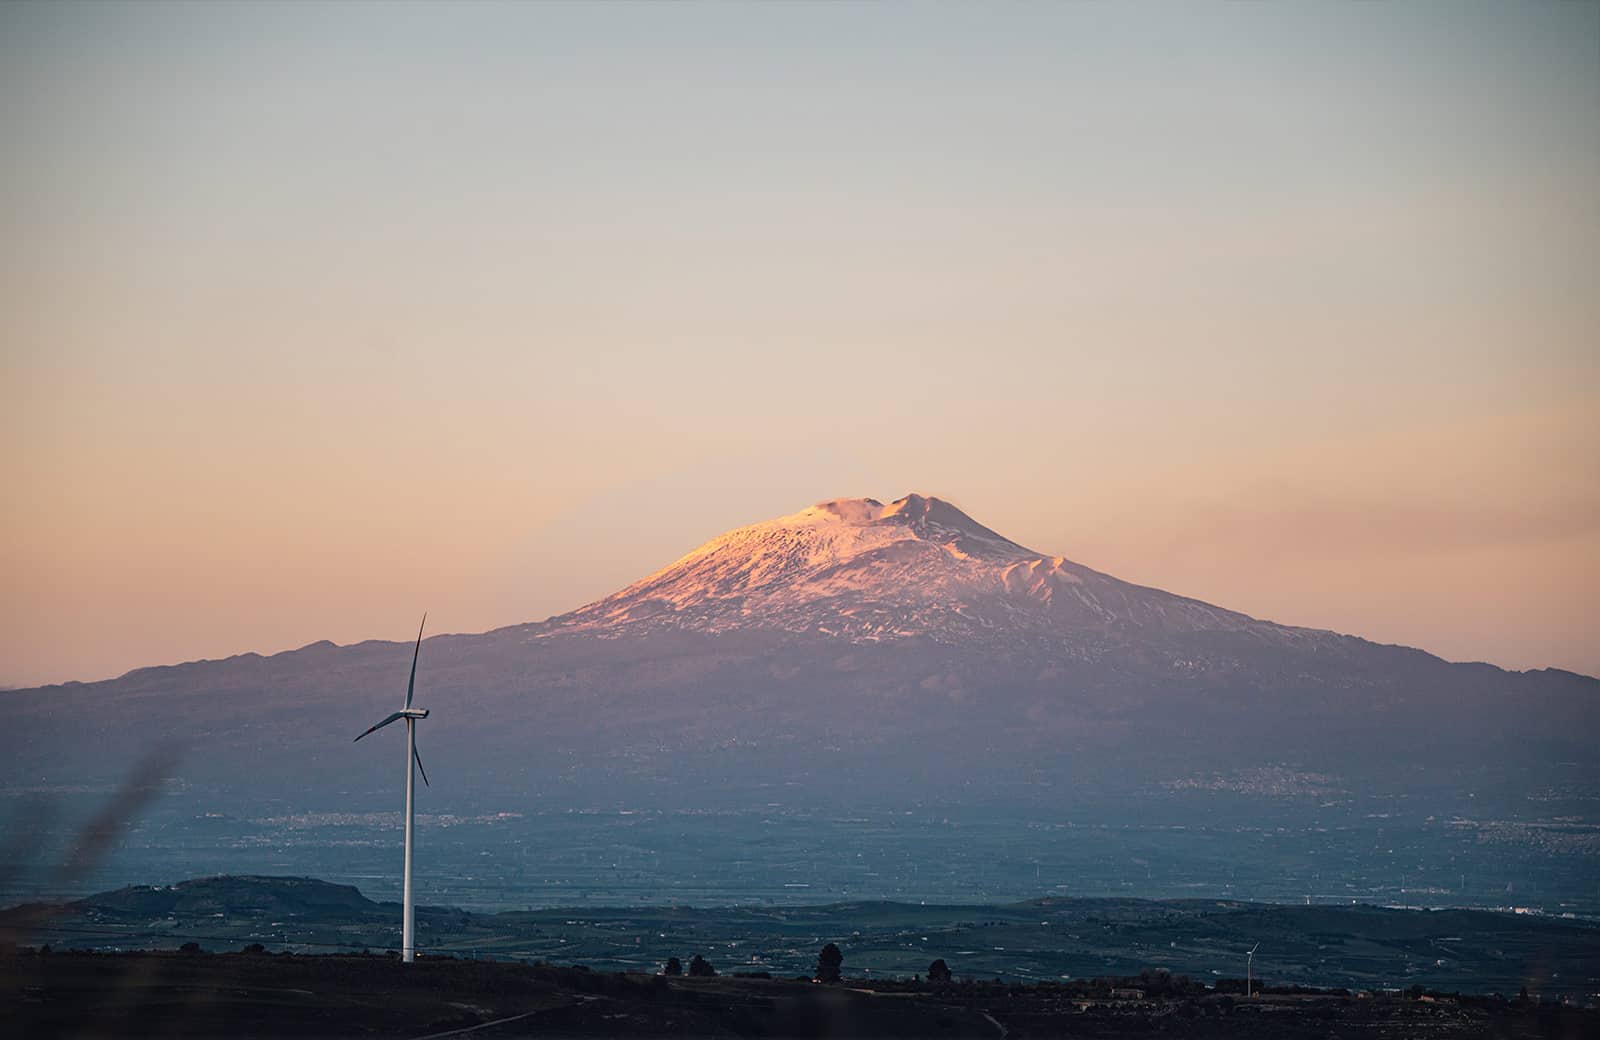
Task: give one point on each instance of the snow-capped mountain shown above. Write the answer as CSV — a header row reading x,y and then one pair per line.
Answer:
x,y
851,648
918,567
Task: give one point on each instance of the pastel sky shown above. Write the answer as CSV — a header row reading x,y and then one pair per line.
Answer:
x,y
317,316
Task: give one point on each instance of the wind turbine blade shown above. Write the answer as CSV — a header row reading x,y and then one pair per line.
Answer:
x,y
379,725
412,685
424,772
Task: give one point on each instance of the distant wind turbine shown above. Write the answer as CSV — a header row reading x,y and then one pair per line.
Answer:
x,y
408,949
1249,966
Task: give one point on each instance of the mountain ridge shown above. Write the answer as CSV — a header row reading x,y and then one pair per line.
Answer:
x,y
1024,573
919,566
851,647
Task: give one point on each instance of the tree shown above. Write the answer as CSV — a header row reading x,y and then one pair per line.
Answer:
x,y
939,971
674,967
699,967
828,962
189,948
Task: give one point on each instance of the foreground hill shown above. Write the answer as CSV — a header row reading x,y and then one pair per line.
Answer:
x,y
853,652
263,995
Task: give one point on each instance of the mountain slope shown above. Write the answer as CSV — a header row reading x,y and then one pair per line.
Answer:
x,y
918,567
853,649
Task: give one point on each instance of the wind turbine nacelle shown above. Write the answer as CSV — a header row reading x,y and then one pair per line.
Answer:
x,y
414,713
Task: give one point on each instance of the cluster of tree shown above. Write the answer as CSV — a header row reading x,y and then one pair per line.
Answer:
x,y
699,967
828,962
1156,983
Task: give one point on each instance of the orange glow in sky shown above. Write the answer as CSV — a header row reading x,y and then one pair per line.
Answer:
x,y
315,317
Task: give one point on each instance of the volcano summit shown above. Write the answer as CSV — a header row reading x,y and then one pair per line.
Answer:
x,y
918,567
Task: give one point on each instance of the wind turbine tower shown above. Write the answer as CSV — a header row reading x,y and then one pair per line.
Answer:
x,y
1249,968
408,946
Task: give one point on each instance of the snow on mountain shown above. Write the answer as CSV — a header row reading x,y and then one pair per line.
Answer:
x,y
919,566
851,648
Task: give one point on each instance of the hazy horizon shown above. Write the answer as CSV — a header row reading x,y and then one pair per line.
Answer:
x,y
319,316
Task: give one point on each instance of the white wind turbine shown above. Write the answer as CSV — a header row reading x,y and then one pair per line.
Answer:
x,y
1250,967
408,948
